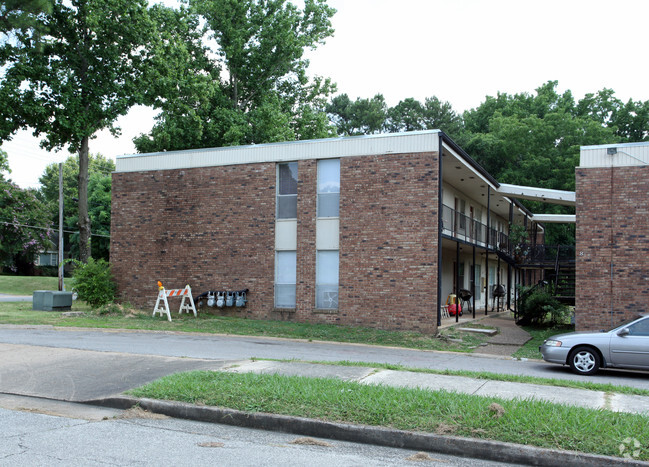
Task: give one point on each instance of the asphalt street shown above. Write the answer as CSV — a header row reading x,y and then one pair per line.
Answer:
x,y
46,365
232,348
120,438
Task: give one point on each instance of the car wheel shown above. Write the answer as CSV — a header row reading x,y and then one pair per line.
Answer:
x,y
584,361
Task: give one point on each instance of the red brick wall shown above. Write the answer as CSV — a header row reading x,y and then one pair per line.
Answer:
x,y
612,229
214,228
388,243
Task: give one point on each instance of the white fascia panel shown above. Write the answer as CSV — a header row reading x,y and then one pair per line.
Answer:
x,y
614,155
327,234
565,198
555,218
286,234
396,143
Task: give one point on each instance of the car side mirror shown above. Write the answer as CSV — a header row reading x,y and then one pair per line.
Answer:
x,y
623,332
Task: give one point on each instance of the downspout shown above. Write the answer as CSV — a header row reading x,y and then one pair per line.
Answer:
x,y
486,301
440,206
510,252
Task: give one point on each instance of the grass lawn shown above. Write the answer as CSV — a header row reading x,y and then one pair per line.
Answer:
x,y
539,334
119,318
25,285
528,421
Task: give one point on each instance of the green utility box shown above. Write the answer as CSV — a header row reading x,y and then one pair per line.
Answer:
x,y
50,300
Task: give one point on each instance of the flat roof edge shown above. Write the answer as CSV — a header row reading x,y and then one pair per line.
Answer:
x,y
615,145
327,148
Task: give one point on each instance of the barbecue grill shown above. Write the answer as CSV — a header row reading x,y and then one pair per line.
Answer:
x,y
465,297
497,293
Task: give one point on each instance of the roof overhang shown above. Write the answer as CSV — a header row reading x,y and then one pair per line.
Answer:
x,y
555,218
565,198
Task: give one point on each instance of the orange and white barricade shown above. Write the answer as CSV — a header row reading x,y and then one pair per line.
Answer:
x,y
162,305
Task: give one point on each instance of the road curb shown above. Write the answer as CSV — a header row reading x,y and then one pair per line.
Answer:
x,y
453,445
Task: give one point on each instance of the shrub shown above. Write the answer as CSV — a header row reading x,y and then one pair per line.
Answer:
x,y
94,282
537,305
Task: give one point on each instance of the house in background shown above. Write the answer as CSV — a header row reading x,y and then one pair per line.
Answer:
x,y
375,231
612,185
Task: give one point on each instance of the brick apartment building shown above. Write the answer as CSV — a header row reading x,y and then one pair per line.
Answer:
x,y
373,231
612,186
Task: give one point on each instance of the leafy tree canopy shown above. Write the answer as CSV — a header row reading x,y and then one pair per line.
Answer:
x,y
369,116
252,87
359,117
78,78
99,200
21,215
4,163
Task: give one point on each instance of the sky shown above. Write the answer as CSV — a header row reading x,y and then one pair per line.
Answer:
x,y
457,50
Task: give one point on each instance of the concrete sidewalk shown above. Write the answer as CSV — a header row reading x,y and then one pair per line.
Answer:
x,y
460,384
15,298
431,442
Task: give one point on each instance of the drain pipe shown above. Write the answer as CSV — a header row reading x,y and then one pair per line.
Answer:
x,y
440,223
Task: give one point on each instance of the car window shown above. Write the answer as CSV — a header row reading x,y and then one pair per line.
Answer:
x,y
641,328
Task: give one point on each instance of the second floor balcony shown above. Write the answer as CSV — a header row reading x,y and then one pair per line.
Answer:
x,y
472,231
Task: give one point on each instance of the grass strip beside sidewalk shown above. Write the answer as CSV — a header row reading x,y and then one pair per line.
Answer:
x,y
530,422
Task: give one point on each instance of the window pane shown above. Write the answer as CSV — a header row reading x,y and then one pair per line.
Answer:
x,y
285,267
329,176
287,207
327,268
285,296
287,179
327,297
328,205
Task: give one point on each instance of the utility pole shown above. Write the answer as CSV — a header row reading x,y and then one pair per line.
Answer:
x,y
61,285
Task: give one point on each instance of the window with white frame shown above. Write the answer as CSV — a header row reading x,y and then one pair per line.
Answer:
x,y
327,279
285,275
287,190
328,187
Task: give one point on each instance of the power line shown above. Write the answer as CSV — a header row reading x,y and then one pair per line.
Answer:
x,y
50,228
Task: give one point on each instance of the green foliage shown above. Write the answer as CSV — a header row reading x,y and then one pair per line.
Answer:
x,y
4,163
361,117
21,215
537,305
369,116
257,91
94,282
99,200
21,16
78,79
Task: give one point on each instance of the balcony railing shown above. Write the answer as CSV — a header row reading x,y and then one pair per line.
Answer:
x,y
546,255
463,227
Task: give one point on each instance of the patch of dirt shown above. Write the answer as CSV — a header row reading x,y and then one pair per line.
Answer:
x,y
138,412
496,410
311,442
444,429
423,457
212,444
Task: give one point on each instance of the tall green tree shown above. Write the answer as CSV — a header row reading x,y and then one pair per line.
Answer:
x,y
359,117
22,15
534,140
99,200
253,86
24,225
78,79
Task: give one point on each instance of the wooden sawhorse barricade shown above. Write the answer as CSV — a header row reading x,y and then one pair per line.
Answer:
x,y
162,297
